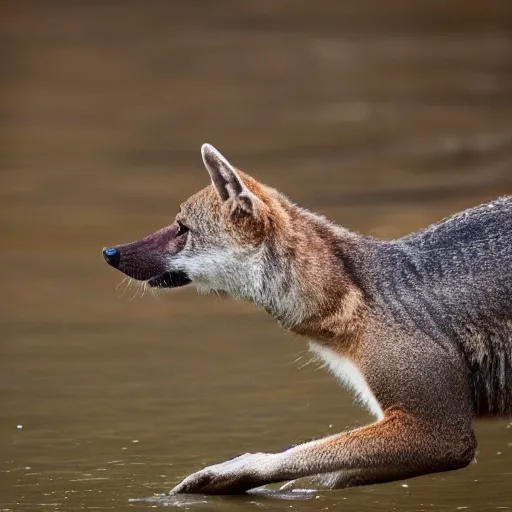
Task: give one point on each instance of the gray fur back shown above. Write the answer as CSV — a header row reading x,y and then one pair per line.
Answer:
x,y
452,284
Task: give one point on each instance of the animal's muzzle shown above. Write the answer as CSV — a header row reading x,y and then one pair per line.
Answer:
x,y
147,259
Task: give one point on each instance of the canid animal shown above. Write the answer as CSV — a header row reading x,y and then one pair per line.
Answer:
x,y
419,327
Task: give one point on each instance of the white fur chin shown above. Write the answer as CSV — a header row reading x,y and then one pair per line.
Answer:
x,y
348,373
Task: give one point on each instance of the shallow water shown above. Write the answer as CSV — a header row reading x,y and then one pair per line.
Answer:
x,y
384,120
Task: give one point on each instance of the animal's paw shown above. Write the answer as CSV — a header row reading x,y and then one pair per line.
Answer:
x,y
234,476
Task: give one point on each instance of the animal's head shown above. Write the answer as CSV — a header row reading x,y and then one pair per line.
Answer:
x,y
215,241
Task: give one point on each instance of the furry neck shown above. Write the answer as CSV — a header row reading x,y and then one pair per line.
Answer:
x,y
306,285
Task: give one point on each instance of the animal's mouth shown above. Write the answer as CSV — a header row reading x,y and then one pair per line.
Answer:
x,y
170,280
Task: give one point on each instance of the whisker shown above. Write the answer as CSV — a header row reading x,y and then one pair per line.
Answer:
x,y
140,289
309,362
157,297
128,284
122,281
299,358
136,283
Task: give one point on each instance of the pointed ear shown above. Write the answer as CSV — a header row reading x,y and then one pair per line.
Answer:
x,y
224,177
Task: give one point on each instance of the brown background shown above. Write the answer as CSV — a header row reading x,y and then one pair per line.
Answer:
x,y
383,116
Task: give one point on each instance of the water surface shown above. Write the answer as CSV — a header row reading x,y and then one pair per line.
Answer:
x,y
384,119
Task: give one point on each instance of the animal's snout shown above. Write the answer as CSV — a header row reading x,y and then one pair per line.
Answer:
x,y
148,257
112,256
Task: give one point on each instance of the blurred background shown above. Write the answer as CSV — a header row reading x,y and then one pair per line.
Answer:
x,y
383,116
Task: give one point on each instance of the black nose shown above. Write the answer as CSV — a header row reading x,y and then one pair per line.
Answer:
x,y
112,256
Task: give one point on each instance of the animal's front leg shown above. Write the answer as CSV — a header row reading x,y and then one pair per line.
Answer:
x,y
234,476
396,447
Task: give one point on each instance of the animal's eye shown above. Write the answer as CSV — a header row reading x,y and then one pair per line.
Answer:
x,y
182,229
